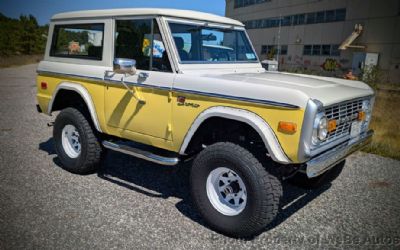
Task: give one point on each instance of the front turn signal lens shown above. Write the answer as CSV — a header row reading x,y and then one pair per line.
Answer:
x,y
332,125
361,116
287,127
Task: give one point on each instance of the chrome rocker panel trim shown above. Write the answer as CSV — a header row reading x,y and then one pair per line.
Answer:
x,y
323,162
138,153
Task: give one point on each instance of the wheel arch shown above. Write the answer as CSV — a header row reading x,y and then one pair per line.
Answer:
x,y
83,93
263,129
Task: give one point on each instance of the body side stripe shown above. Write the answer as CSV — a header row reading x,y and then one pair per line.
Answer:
x,y
188,91
237,98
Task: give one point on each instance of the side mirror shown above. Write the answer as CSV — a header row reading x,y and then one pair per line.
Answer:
x,y
124,66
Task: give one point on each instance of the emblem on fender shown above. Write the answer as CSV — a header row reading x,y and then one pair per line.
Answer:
x,y
181,101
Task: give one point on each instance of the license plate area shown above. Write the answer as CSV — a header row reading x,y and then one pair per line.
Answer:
x,y
355,129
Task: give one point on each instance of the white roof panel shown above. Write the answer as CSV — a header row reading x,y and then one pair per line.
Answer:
x,y
189,14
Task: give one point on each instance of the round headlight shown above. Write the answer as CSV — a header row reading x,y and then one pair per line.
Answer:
x,y
322,130
366,106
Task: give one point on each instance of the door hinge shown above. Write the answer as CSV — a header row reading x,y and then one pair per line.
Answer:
x,y
169,96
169,128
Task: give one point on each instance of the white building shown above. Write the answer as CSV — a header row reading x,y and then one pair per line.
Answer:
x,y
307,34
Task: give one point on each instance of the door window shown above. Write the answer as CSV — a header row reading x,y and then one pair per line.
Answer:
x,y
134,39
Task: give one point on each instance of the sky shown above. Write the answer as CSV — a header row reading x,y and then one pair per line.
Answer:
x,y
43,10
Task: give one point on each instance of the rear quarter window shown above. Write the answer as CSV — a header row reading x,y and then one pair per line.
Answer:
x,y
82,41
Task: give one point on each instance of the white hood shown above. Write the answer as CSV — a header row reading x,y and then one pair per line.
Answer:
x,y
294,89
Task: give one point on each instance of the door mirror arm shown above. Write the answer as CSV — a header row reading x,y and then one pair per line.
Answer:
x,y
125,67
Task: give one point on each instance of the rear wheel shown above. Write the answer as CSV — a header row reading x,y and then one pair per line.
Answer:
x,y
76,144
232,191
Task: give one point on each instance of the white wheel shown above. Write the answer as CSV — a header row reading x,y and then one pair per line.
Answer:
x,y
77,146
226,191
233,191
70,141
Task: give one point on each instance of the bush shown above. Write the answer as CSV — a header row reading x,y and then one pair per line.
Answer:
x,y
372,75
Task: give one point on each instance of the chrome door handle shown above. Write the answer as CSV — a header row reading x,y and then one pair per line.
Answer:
x,y
143,75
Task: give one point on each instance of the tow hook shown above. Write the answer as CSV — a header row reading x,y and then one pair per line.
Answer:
x,y
50,124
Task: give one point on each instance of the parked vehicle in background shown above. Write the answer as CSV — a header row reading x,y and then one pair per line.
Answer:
x,y
270,65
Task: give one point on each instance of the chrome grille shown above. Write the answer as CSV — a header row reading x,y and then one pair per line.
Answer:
x,y
344,114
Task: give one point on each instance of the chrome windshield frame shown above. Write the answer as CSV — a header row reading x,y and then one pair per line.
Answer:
x,y
208,25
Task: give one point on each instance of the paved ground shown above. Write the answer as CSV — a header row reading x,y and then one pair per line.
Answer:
x,y
134,204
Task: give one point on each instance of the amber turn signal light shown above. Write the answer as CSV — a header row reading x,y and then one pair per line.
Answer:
x,y
287,127
361,116
331,125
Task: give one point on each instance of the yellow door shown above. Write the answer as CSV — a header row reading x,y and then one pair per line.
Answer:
x,y
152,83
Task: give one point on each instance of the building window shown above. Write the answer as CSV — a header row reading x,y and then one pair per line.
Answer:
x,y
282,50
316,50
298,19
274,22
264,49
302,19
271,48
326,50
295,20
320,17
330,16
321,50
287,21
245,3
307,50
310,18
335,50
340,15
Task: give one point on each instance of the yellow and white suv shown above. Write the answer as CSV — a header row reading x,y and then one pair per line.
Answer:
x,y
189,85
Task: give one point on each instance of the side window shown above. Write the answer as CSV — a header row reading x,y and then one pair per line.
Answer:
x,y
134,40
83,41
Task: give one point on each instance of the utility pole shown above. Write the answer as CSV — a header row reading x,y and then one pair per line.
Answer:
x,y
279,36
279,39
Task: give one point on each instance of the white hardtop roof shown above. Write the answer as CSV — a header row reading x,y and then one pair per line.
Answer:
x,y
189,14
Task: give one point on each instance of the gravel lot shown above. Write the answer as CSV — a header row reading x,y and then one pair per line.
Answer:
x,y
134,204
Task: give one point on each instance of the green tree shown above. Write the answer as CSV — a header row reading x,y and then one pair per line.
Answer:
x,y
21,36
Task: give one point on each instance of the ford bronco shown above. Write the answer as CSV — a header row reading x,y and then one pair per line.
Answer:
x,y
172,86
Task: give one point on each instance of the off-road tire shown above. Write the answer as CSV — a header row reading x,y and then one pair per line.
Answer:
x,y
301,179
264,190
90,156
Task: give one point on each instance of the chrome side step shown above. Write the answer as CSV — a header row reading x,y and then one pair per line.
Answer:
x,y
141,154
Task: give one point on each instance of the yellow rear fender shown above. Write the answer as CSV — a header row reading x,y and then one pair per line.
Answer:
x,y
82,91
256,122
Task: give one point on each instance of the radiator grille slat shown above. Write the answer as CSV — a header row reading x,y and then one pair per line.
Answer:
x,y
344,114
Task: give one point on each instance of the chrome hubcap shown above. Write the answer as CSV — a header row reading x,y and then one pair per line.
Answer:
x,y
71,141
226,191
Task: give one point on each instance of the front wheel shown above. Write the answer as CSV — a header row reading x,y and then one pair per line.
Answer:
x,y
232,191
77,146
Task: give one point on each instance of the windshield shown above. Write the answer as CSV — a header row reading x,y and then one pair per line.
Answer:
x,y
202,44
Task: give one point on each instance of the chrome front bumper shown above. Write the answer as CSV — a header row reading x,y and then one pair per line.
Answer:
x,y
330,158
